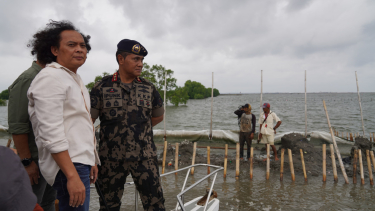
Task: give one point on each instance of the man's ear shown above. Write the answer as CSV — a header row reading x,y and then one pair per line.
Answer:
x,y
120,59
54,50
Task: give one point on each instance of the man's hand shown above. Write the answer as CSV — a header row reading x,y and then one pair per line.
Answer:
x,y
33,172
77,191
251,136
93,174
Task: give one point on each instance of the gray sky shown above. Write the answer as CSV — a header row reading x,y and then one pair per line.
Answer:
x,y
233,39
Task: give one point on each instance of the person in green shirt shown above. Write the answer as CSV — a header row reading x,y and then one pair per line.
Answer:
x,y
23,136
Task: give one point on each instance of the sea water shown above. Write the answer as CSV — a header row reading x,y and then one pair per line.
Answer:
x,y
192,122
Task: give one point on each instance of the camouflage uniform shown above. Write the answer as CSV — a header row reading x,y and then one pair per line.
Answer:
x,y
126,139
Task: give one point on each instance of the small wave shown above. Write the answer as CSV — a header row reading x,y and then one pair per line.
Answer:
x,y
233,136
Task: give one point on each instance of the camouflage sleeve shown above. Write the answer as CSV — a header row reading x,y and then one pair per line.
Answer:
x,y
96,100
157,104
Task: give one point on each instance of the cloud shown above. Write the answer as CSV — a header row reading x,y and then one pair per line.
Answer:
x,y
329,39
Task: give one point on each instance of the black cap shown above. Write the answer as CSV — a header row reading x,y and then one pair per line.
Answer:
x,y
132,46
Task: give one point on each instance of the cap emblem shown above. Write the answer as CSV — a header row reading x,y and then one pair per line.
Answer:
x,y
136,48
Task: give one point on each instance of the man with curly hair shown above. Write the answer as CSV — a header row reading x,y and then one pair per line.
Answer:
x,y
23,136
59,112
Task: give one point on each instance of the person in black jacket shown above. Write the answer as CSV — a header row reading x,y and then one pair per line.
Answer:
x,y
246,122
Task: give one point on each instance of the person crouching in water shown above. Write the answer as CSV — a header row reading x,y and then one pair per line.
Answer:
x,y
246,121
267,130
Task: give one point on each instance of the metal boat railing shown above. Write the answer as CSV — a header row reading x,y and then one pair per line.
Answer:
x,y
180,196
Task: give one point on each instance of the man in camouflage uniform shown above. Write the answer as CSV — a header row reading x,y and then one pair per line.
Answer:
x,y
128,106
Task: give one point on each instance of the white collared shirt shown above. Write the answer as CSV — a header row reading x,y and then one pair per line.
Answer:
x,y
58,103
267,127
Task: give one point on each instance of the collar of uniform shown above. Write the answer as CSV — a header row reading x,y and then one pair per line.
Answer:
x,y
36,66
136,80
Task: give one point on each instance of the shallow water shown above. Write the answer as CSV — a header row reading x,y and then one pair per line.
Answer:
x,y
259,194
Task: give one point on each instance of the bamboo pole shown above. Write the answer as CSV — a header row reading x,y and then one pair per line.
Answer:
x,y
369,135
208,159
324,163
355,166
212,104
303,165
369,167
268,162
9,142
291,164
251,162
360,106
351,136
165,105
164,156
282,164
237,160
225,160
305,108
176,158
335,145
334,168
361,166
261,96
193,159
372,158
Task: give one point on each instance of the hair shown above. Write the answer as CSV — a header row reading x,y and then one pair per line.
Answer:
x,y
44,39
122,53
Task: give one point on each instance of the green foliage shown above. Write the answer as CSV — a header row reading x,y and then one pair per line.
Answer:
x,y
3,102
90,85
197,91
155,74
4,95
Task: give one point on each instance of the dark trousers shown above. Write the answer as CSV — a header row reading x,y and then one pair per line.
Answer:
x,y
245,137
112,177
62,190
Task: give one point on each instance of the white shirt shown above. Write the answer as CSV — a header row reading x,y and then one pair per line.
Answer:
x,y
58,109
267,127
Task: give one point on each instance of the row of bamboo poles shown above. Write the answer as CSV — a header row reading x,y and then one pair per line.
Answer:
x,y
352,136
357,157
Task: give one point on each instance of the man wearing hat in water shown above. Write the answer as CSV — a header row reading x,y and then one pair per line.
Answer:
x,y
246,121
267,130
128,106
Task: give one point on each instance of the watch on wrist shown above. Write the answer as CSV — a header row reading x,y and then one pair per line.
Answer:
x,y
26,161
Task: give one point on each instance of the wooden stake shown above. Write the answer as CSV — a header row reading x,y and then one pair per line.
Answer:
x,y
212,104
372,158
251,162
225,160
261,95
291,165
237,160
305,108
176,158
361,166
208,159
335,178
193,159
282,164
369,167
164,156
268,162
355,166
360,106
351,136
324,163
9,142
165,105
335,145
303,165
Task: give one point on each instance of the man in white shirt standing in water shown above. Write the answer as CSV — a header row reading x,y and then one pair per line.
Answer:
x,y
266,128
